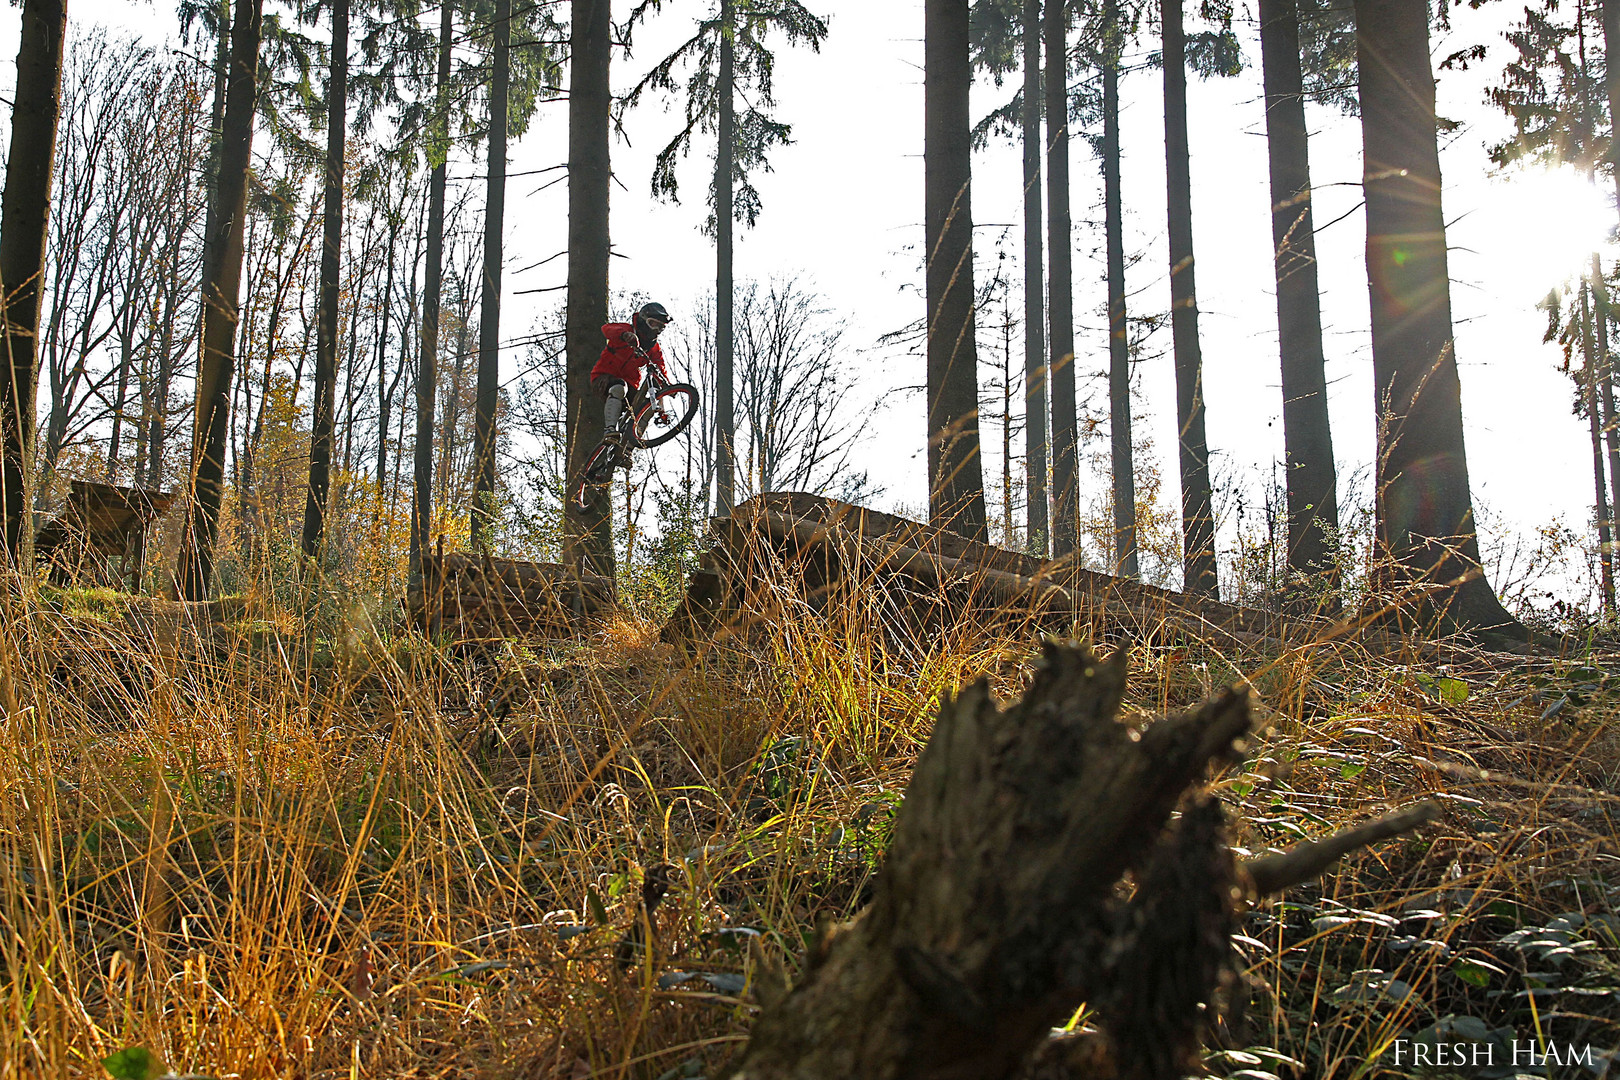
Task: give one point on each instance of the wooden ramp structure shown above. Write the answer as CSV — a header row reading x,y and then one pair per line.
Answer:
x,y
471,595
100,533
783,552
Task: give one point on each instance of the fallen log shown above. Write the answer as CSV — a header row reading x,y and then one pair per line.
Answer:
x,y
895,558
820,548
998,910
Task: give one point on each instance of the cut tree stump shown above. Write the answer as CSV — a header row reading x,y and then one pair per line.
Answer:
x,y
1001,908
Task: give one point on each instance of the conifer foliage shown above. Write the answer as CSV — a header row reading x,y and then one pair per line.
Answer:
x,y
729,57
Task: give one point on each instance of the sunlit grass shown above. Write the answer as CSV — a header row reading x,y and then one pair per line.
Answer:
x,y
271,847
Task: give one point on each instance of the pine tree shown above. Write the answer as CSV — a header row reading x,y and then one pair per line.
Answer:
x,y
427,372
1060,286
730,57
1211,54
1311,479
326,333
489,322
1037,407
955,471
1425,517
1006,38
221,294
589,537
1113,32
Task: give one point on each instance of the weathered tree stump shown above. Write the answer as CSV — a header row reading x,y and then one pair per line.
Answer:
x,y
1001,908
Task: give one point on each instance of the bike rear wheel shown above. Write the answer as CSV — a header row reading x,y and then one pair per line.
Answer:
x,y
667,413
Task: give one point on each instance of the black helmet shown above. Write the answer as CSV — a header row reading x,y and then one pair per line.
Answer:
x,y
654,311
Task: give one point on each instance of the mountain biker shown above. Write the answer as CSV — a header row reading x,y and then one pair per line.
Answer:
x,y
630,347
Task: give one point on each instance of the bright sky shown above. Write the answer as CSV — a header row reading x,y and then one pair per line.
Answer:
x,y
844,206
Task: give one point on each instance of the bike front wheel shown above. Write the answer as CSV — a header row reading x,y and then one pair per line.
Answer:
x,y
666,414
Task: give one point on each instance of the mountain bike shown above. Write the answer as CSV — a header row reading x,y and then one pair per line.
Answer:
x,y
656,413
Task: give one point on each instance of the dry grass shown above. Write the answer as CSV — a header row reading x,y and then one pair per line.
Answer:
x,y
273,849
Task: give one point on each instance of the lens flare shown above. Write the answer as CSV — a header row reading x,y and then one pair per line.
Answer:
x,y
1545,223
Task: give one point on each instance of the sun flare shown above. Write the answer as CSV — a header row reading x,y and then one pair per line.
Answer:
x,y
1545,224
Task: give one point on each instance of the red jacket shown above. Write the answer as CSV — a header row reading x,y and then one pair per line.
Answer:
x,y
620,360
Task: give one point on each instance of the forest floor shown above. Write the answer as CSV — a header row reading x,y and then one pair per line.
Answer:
x,y
261,848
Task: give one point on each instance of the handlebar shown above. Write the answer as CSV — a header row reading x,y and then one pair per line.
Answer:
x,y
653,376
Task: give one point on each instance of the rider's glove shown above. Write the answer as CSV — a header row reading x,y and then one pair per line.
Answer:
x,y
630,339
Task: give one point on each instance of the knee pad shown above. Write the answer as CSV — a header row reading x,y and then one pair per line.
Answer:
x,y
617,390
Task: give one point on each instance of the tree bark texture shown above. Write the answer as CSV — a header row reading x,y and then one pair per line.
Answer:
x,y
1605,376
996,915
25,210
326,319
1425,515
427,372
1311,477
1060,296
1611,47
385,392
1037,409
1197,509
955,471
221,294
589,532
725,441
489,321
1589,390
1120,436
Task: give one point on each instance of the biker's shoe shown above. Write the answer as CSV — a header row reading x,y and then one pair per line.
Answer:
x,y
621,452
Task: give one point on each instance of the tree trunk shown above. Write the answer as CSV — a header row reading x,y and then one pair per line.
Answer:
x,y
25,210
385,392
1060,285
724,288
351,367
1611,48
246,515
126,362
1605,377
1121,440
452,419
221,290
1009,535
1036,407
1589,391
589,530
157,423
1313,505
489,324
326,336
1425,515
211,209
1197,512
427,372
955,472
